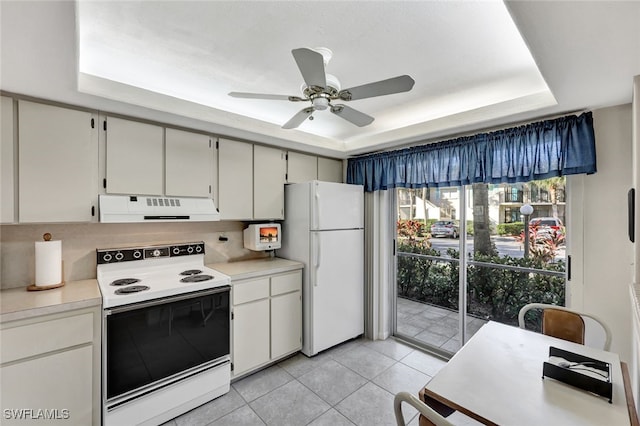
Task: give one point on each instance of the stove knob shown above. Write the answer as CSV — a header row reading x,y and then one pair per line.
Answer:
x,y
107,257
176,250
137,254
190,249
156,253
198,249
119,256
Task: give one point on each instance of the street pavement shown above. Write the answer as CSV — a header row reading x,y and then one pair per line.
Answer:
x,y
506,246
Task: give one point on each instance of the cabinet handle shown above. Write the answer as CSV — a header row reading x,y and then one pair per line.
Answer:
x,y
93,211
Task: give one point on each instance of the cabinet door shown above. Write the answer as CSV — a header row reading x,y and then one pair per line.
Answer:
x,y
301,167
286,324
134,158
38,383
268,183
235,180
7,165
57,152
189,164
329,170
250,335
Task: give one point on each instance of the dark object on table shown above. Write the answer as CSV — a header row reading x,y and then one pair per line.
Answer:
x,y
571,372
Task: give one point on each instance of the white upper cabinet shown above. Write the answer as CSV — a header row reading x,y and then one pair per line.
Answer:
x,y
135,156
7,168
304,167
301,167
269,166
329,170
235,180
189,164
57,152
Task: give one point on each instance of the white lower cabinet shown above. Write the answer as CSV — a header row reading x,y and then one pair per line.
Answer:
x,y
50,369
286,324
250,335
267,320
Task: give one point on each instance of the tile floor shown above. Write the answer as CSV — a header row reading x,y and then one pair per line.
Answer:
x,y
351,384
433,325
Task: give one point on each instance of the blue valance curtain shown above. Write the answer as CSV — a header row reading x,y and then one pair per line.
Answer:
x,y
541,150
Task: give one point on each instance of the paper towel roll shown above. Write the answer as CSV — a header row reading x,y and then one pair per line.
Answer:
x,y
48,262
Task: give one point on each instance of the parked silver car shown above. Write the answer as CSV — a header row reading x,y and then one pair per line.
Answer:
x,y
445,228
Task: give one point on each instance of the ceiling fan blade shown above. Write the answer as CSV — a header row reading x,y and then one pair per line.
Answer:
x,y
297,119
311,65
266,96
403,83
354,116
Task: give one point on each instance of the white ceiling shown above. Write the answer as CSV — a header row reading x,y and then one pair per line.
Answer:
x,y
176,62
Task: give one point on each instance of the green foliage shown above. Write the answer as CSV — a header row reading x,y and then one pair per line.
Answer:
x,y
513,228
494,294
410,228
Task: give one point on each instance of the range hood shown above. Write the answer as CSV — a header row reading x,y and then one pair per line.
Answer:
x,y
136,208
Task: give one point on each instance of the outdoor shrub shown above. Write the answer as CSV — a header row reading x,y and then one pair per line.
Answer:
x,y
494,294
513,228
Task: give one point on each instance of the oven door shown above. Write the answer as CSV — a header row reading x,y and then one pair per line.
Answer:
x,y
153,344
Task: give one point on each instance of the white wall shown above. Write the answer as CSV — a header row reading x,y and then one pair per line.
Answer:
x,y
601,252
634,365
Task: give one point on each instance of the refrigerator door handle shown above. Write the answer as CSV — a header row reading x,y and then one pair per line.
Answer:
x,y
316,259
316,206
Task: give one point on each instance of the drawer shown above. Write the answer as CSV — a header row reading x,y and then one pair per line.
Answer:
x,y
42,337
247,291
286,283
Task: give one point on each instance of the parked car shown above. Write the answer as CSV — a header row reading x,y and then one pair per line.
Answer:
x,y
546,222
445,228
544,226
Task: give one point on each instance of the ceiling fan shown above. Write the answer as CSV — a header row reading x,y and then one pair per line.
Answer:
x,y
320,89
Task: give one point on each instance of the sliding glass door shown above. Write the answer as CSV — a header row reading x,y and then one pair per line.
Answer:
x,y
463,258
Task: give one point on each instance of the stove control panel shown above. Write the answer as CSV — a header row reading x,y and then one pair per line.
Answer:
x,y
187,249
153,252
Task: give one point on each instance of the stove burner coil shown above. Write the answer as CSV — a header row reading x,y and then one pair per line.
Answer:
x,y
125,281
191,272
196,278
132,289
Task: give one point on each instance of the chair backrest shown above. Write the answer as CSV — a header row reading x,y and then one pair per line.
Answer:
x,y
432,417
564,323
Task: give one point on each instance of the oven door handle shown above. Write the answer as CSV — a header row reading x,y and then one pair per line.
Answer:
x,y
164,300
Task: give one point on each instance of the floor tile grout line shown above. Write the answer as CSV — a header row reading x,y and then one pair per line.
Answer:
x,y
336,358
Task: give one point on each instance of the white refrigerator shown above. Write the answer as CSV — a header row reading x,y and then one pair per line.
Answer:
x,y
324,229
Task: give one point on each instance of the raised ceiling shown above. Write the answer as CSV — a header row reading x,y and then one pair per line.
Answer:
x,y
476,64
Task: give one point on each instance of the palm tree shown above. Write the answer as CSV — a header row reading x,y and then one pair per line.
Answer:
x,y
552,185
481,223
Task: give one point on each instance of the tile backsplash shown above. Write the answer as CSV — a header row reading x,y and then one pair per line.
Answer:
x,y
79,243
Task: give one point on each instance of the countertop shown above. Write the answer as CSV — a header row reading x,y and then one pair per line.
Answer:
x,y
18,303
245,269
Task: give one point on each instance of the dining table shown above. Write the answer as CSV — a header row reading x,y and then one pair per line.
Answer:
x,y
497,379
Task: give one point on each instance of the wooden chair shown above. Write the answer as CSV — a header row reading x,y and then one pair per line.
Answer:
x,y
564,323
428,416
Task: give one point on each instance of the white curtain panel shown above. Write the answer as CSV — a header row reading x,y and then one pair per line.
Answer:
x,y
379,237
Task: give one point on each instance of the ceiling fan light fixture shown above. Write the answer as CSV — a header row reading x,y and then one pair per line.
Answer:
x,y
320,103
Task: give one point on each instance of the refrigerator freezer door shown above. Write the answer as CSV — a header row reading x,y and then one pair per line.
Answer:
x,y
336,206
336,287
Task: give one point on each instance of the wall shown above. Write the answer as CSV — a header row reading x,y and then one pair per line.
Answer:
x,y
79,243
600,248
634,366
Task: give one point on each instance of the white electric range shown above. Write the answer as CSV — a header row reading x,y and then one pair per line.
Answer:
x,y
166,332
